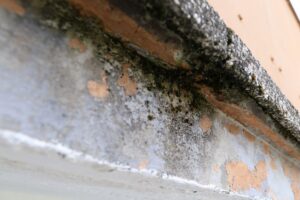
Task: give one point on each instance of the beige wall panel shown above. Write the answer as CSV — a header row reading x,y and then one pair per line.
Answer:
x,y
271,30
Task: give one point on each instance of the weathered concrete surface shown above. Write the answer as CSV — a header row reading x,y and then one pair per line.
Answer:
x,y
85,23
60,88
197,50
211,50
190,35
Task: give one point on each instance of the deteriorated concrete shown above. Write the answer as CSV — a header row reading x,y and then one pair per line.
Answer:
x,y
184,35
179,109
203,31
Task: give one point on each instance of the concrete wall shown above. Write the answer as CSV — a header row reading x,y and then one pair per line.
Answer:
x,y
59,88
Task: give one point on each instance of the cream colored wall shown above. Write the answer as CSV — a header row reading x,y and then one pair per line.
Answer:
x,y
271,30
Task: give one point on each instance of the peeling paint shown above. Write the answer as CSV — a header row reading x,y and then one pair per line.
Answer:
x,y
12,6
296,190
239,176
127,82
99,90
293,173
143,164
205,123
76,43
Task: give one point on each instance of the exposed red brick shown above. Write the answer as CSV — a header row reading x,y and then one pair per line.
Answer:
x,y
121,25
248,119
233,129
12,6
248,136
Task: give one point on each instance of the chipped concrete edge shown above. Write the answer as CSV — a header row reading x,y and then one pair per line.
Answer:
x,y
244,68
197,23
